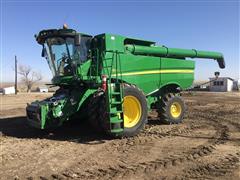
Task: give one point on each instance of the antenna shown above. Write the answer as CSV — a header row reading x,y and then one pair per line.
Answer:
x,y
16,74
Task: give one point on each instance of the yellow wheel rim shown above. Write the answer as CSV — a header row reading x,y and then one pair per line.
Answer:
x,y
175,109
132,111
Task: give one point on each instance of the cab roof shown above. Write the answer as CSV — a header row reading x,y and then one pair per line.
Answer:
x,y
44,34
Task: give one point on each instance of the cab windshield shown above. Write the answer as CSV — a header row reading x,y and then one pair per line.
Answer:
x,y
63,56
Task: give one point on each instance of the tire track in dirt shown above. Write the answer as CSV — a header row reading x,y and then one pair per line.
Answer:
x,y
222,118
154,133
121,171
216,127
149,135
219,168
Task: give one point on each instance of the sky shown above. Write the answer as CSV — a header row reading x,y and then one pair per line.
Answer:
x,y
202,25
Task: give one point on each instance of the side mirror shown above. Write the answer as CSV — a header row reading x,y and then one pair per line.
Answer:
x,y
43,51
77,40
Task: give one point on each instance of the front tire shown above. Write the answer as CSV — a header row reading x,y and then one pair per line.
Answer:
x,y
134,111
97,111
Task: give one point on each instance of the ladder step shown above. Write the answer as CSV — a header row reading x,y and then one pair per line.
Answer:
x,y
116,93
116,103
115,112
117,121
115,108
117,130
107,66
115,118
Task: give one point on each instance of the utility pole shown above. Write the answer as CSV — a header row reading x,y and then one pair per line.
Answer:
x,y
15,74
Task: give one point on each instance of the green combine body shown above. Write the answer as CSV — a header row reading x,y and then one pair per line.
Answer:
x,y
113,81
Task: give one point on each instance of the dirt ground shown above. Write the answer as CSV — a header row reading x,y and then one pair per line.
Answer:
x,y
205,146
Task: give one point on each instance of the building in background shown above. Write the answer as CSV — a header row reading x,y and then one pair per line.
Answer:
x,y
43,89
221,84
8,90
236,85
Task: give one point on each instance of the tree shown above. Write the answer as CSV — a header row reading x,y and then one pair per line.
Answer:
x,y
29,77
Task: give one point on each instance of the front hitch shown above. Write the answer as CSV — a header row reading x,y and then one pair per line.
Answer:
x,y
47,113
37,114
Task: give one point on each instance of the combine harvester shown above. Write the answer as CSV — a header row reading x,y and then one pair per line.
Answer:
x,y
113,80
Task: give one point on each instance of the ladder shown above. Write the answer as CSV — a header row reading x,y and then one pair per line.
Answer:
x,y
115,95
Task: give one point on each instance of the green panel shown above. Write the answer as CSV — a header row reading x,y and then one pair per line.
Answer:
x,y
114,42
183,80
182,72
146,82
84,68
131,64
170,63
150,73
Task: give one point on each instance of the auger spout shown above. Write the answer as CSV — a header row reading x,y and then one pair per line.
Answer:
x,y
163,51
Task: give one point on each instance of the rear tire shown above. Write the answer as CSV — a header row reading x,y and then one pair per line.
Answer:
x,y
172,109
